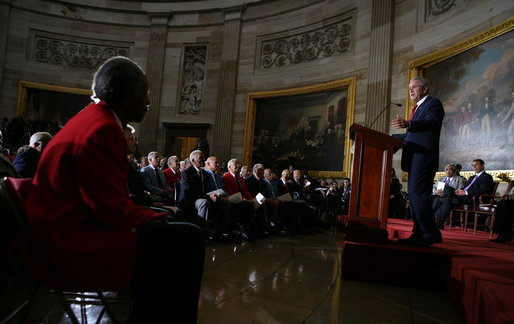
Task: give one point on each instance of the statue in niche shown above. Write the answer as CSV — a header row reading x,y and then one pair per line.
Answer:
x,y
194,72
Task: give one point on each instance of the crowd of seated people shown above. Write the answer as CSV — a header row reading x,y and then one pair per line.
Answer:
x,y
156,181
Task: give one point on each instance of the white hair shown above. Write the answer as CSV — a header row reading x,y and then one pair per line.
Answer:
x,y
195,155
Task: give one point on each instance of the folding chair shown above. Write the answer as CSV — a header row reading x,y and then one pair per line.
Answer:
x,y
13,192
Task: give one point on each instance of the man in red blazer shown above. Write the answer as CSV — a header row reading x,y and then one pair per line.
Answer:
x,y
173,176
234,183
84,228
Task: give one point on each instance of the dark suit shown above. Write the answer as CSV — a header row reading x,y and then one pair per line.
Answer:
x,y
193,188
484,184
420,158
26,162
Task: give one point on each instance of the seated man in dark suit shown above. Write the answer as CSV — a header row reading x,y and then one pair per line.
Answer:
x,y
154,179
480,183
26,163
256,184
222,209
281,184
194,186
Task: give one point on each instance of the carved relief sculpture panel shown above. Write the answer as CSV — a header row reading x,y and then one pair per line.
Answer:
x,y
193,78
76,52
318,43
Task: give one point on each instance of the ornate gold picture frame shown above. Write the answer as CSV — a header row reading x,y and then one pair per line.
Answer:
x,y
473,80
57,102
306,126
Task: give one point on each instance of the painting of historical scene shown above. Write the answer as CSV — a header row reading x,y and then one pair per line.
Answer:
x,y
477,91
306,130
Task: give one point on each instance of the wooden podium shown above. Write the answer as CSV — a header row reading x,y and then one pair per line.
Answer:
x,y
371,180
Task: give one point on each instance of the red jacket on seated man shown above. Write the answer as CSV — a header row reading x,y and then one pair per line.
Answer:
x,y
77,177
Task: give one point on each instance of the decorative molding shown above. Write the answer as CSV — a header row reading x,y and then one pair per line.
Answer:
x,y
193,79
76,52
306,46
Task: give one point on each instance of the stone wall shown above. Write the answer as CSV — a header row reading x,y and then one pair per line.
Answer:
x,y
377,38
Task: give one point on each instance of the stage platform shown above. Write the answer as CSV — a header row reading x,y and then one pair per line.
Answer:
x,y
477,274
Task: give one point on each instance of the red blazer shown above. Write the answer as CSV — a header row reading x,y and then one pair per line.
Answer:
x,y
170,177
79,215
230,185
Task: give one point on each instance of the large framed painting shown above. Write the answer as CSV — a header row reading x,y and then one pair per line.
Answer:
x,y
305,127
474,80
46,103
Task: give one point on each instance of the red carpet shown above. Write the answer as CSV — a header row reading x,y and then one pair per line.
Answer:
x,y
477,274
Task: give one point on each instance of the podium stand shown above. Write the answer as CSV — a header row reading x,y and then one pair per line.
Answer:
x,y
371,180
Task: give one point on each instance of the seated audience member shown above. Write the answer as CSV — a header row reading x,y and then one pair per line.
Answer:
x,y
154,179
26,163
446,185
333,199
280,212
173,176
256,184
144,162
450,179
458,168
163,163
136,187
480,183
504,216
245,172
396,200
182,166
303,211
86,234
233,184
6,167
194,186
281,184
345,189
296,185
222,208
22,149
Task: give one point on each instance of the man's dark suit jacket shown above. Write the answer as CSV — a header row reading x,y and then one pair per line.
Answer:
x,y
255,186
421,140
483,185
281,187
191,186
26,162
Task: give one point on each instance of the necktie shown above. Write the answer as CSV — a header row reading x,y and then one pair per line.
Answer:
x,y
216,181
447,181
239,184
201,178
271,189
159,181
468,186
413,111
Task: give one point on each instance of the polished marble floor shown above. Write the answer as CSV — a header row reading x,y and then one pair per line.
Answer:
x,y
297,280
290,280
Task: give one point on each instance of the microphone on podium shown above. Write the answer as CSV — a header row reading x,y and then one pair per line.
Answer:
x,y
382,111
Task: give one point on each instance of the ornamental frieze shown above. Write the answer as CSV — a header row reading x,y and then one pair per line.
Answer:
x,y
307,46
78,53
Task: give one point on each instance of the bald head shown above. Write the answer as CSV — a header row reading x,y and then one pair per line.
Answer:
x,y
39,140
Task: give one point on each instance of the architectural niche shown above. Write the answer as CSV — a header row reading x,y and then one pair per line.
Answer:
x,y
437,7
306,46
193,77
77,52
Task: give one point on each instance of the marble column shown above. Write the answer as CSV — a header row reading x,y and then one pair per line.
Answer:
x,y
380,61
154,71
222,128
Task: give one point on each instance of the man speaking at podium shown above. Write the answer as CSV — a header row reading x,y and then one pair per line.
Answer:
x,y
420,158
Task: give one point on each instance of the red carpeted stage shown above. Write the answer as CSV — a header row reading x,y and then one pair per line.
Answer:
x,y
477,274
